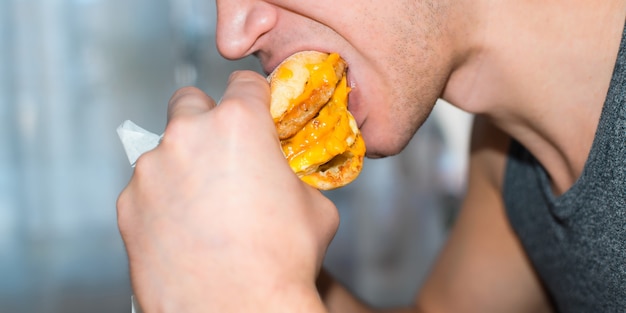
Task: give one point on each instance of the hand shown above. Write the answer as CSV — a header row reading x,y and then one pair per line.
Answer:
x,y
214,220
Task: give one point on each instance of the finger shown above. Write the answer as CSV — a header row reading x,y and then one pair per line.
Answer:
x,y
248,87
188,101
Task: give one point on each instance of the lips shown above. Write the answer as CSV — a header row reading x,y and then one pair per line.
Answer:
x,y
270,63
353,98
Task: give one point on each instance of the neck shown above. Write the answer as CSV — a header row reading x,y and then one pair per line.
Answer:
x,y
540,71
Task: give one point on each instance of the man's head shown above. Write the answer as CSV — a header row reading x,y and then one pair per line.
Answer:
x,y
397,53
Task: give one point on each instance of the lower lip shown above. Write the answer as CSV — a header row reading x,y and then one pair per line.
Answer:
x,y
353,99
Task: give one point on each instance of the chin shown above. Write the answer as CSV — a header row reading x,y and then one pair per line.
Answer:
x,y
384,143
376,152
389,136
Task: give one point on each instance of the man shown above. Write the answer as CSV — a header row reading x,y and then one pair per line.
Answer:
x,y
214,220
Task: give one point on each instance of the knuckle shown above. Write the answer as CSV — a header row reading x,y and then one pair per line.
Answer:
x,y
177,130
235,115
181,123
333,218
329,218
181,92
123,205
244,75
143,165
174,129
129,198
239,111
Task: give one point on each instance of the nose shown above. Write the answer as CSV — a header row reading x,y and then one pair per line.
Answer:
x,y
240,24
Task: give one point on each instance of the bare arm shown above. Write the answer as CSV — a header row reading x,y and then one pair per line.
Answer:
x,y
483,267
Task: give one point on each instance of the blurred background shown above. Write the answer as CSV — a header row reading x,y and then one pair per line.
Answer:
x,y
72,70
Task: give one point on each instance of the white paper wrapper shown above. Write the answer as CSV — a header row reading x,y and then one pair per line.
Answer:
x,y
135,305
136,140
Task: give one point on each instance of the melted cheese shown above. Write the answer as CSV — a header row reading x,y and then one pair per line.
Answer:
x,y
320,74
327,152
327,135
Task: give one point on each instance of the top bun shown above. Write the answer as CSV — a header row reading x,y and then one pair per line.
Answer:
x,y
289,79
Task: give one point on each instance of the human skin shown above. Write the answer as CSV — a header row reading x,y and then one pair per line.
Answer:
x,y
275,29
534,71
482,56
225,238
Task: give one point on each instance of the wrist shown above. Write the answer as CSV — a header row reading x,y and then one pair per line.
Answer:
x,y
275,297
296,298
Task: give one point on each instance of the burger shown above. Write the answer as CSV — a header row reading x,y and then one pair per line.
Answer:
x,y
318,135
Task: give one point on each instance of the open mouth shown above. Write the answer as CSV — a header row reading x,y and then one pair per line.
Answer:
x,y
353,98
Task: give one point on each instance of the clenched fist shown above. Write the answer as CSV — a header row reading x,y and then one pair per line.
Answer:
x,y
214,219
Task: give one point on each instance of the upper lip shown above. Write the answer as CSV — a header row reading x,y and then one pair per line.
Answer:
x,y
269,62
268,67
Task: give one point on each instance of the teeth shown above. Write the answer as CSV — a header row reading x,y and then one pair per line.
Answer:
x,y
352,85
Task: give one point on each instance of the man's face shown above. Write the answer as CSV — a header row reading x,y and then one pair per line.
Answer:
x,y
394,63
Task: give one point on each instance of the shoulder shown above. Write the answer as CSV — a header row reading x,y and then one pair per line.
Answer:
x,y
483,257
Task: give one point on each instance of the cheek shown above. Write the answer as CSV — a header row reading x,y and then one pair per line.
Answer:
x,y
397,111
412,88
400,83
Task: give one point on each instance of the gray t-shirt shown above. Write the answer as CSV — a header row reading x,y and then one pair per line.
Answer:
x,y
577,241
